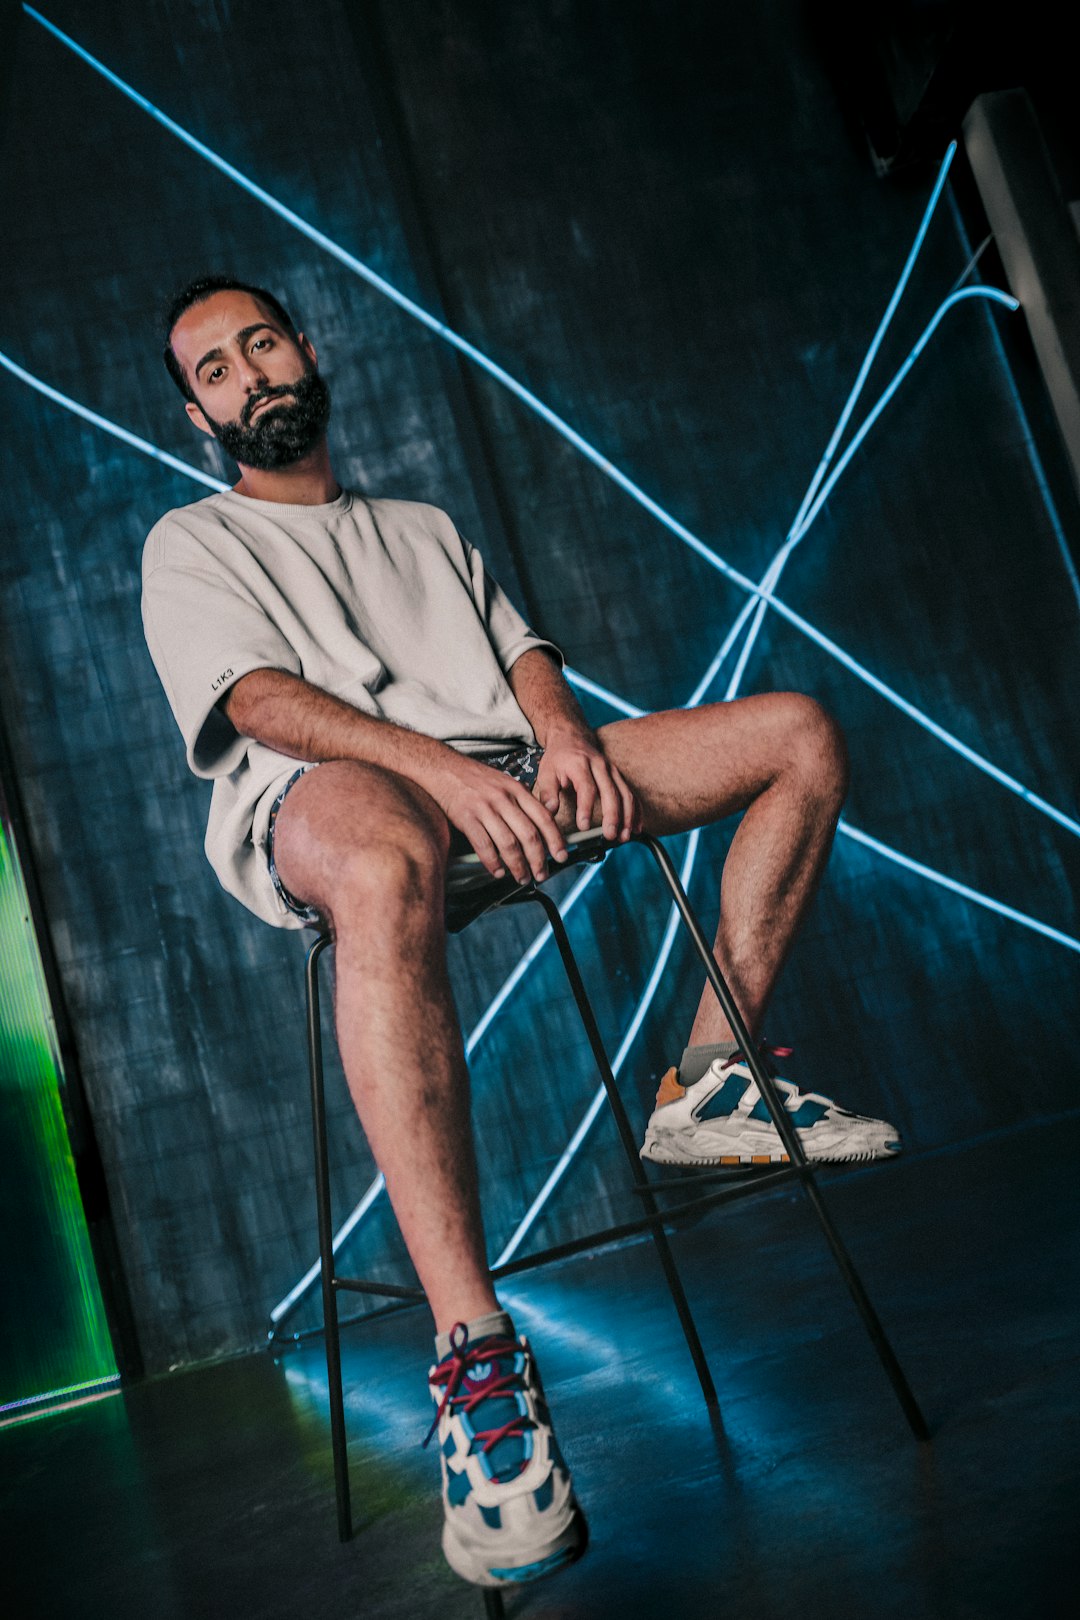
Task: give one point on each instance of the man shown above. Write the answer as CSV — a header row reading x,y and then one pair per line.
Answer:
x,y
369,703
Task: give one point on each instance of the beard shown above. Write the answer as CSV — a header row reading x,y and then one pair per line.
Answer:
x,y
281,434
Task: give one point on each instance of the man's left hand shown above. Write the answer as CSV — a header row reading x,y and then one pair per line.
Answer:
x,y
574,761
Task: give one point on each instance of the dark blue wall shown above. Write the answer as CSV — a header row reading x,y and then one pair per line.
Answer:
x,y
666,229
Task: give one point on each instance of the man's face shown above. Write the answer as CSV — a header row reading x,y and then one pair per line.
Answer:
x,y
258,388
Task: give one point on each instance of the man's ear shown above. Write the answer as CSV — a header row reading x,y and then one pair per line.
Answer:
x,y
308,348
195,413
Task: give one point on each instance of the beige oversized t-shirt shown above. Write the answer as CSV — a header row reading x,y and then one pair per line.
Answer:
x,y
380,602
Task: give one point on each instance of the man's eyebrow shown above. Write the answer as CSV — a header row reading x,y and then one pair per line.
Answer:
x,y
241,337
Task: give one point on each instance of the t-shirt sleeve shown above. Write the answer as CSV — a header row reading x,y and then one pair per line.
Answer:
x,y
509,634
203,635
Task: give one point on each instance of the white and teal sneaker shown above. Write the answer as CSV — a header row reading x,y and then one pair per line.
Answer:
x,y
722,1119
511,1514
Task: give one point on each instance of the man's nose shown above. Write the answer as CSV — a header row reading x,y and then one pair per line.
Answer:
x,y
252,374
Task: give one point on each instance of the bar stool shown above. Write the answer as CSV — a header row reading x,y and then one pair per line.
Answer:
x,y
471,891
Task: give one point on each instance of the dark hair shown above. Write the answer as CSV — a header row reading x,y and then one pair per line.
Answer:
x,y
196,292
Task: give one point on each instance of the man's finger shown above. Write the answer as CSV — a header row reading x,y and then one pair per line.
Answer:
x,y
484,846
523,820
628,806
585,796
610,800
516,837
545,789
550,834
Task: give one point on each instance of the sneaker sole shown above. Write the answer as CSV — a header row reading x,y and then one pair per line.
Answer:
x,y
472,1565
668,1149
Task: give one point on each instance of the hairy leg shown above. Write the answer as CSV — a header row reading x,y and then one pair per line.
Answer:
x,y
780,759
368,847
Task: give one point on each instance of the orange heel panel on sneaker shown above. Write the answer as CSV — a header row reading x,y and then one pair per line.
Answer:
x,y
670,1089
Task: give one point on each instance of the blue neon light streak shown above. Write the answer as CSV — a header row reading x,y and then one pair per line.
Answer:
x,y
806,517
974,895
1034,459
106,426
567,432
311,1275
802,521
800,528
992,294
978,760
877,339
763,594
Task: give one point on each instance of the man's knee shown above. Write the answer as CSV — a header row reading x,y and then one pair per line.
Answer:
x,y
355,834
818,746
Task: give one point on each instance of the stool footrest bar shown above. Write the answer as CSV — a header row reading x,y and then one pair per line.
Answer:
x,y
362,1285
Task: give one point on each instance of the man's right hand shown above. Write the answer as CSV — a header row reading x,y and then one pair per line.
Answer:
x,y
509,829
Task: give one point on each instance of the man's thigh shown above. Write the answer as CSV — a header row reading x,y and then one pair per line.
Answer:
x,y
691,767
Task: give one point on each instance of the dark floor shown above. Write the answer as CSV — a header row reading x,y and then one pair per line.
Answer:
x,y
210,1493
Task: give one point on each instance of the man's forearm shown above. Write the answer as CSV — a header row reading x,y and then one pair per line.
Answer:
x,y
544,697
301,720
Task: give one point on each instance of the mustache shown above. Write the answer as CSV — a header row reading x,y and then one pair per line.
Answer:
x,y
259,399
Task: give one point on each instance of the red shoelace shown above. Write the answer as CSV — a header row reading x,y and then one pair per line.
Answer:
x,y
764,1050
454,1369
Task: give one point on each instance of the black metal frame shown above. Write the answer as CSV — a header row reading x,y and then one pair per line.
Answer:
x,y
490,894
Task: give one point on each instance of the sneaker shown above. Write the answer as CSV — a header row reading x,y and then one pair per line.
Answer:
x,y
722,1119
511,1514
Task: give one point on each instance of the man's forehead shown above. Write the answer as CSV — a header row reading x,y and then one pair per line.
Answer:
x,y
216,319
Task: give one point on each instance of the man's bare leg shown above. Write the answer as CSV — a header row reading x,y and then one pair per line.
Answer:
x,y
369,847
780,758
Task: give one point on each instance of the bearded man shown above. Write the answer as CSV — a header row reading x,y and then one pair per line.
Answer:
x,y
369,703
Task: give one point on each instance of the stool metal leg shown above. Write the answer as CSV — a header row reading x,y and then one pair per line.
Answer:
x,y
326,1243
629,1143
789,1137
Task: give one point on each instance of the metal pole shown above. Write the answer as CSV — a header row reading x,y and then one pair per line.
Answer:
x,y
326,1243
629,1143
782,1121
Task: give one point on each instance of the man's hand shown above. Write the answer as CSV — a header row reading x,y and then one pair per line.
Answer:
x,y
574,761
506,826
574,758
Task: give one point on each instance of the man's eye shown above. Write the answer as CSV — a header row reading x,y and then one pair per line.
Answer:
x,y
260,341
215,373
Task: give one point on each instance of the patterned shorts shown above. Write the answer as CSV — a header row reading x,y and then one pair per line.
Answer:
x,y
522,762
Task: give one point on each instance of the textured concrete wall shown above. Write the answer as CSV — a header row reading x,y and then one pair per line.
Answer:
x,y
668,233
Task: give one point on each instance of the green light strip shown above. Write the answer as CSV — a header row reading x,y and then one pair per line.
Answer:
x,y
59,1394
57,1403
57,1336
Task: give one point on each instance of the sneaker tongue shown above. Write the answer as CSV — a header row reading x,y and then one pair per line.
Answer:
x,y
507,1458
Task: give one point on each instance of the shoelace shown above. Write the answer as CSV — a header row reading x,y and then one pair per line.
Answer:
x,y
451,1371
